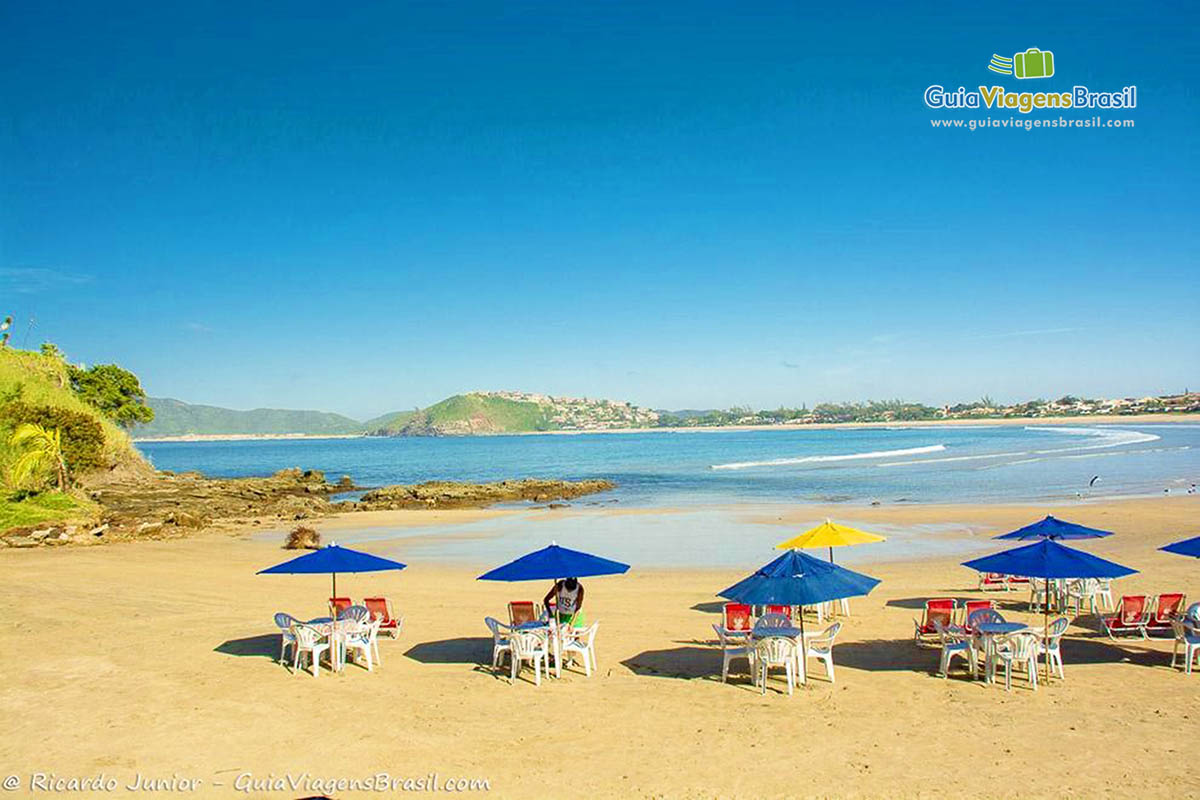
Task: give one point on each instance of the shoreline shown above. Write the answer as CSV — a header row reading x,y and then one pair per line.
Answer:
x,y
1091,419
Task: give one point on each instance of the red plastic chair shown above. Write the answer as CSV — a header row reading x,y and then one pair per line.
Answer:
x,y
993,582
939,610
737,617
1166,608
970,607
521,612
339,604
778,609
1131,617
382,610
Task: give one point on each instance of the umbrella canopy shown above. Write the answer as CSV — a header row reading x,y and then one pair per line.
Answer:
x,y
829,534
1188,547
798,579
552,563
1051,528
1049,559
332,559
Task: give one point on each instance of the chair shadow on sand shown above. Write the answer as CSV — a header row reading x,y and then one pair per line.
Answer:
x,y
264,645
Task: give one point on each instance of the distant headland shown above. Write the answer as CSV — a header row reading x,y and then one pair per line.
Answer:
x,y
482,413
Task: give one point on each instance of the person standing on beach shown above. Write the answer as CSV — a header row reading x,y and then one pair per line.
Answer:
x,y
567,597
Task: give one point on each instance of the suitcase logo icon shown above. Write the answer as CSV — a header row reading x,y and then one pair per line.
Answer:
x,y
1033,63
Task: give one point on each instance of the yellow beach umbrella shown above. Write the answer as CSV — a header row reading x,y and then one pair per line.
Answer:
x,y
829,534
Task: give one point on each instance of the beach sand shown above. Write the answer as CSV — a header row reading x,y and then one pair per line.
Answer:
x,y
156,658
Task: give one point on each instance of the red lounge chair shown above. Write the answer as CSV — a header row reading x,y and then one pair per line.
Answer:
x,y
785,610
521,612
993,582
1131,617
971,607
938,609
1018,580
339,604
1164,609
381,609
737,617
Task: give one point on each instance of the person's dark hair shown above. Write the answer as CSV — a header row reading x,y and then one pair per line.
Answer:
x,y
570,584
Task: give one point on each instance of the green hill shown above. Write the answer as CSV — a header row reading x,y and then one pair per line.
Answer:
x,y
510,412
176,418
392,421
32,386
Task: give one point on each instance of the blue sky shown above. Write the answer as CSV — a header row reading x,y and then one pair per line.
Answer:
x,y
371,207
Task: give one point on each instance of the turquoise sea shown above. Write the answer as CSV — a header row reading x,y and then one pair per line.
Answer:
x,y
713,499
848,465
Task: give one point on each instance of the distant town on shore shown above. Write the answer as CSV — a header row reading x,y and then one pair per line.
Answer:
x,y
499,412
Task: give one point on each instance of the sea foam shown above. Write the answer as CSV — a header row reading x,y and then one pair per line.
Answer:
x,y
782,462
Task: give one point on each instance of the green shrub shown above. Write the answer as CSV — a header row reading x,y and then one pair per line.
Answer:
x,y
82,436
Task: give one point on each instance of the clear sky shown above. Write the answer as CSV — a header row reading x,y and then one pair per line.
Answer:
x,y
363,207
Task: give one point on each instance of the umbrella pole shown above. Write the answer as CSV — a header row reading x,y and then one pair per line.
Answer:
x,y
1046,628
803,651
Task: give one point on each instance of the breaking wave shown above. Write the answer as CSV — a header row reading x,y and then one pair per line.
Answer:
x,y
783,462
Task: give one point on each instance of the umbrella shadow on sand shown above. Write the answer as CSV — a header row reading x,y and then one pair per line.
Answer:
x,y
690,662
264,645
886,655
473,650
715,607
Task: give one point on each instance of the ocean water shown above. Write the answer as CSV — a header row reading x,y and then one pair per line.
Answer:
x,y
944,464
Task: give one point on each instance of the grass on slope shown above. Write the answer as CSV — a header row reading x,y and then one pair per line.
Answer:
x,y
500,413
43,382
45,507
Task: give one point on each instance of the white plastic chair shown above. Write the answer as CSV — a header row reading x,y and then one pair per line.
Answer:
x,y
821,648
775,651
532,647
308,640
1019,648
770,621
581,641
500,641
1187,634
363,640
285,622
956,642
1049,645
733,648
355,614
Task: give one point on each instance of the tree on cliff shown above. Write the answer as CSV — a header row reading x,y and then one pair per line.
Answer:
x,y
116,392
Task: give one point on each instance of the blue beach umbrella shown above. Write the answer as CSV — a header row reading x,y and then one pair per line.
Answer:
x,y
1047,559
554,562
1051,528
330,560
798,579
1188,547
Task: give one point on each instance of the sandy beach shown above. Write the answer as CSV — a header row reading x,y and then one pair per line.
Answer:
x,y
156,659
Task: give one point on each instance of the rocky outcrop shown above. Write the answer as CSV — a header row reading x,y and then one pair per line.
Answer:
x,y
451,494
166,505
